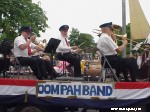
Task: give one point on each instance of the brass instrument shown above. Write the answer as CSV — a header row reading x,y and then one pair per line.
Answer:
x,y
125,36
135,46
117,35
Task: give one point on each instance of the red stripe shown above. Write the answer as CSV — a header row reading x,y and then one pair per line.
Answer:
x,y
120,85
17,82
132,85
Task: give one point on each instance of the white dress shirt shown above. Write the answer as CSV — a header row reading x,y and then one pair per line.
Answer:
x,y
107,45
17,51
63,47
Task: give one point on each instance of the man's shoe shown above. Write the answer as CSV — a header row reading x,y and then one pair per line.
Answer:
x,y
57,75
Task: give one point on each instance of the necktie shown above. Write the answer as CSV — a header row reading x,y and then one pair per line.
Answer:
x,y
29,49
67,42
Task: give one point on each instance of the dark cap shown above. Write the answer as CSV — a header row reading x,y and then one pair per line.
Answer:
x,y
106,25
63,28
26,29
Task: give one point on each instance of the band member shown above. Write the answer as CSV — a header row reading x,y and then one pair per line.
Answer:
x,y
110,49
5,52
22,50
38,54
4,64
66,53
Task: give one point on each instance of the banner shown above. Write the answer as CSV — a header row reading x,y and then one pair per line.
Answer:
x,y
76,89
81,90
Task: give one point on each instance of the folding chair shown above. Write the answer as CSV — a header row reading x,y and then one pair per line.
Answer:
x,y
106,70
21,70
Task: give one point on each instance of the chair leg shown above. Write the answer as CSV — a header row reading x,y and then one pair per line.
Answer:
x,y
65,69
18,72
114,75
29,72
13,73
101,72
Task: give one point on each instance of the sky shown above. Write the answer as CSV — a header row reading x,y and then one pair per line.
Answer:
x,y
85,15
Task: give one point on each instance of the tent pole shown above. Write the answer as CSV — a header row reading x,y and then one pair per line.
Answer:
x,y
124,24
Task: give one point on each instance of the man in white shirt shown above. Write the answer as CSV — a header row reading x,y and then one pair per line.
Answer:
x,y
110,49
22,51
36,54
66,53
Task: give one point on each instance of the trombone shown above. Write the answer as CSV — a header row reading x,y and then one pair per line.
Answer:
x,y
123,36
117,35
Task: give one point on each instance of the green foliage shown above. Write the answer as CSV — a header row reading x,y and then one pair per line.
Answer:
x,y
128,36
84,37
74,35
128,31
17,13
77,38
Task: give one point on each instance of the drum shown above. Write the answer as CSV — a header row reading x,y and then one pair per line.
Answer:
x,y
93,70
145,65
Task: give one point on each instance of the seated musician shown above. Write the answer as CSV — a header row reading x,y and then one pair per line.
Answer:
x,y
38,54
110,49
4,64
67,53
22,51
5,52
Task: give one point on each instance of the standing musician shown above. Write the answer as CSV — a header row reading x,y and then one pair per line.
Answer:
x,y
67,53
110,49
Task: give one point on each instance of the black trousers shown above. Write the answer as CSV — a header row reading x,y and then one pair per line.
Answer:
x,y
51,71
124,65
36,64
73,60
4,64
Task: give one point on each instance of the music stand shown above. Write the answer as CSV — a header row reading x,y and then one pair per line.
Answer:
x,y
51,47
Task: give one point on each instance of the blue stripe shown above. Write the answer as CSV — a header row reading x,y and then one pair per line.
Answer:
x,y
76,103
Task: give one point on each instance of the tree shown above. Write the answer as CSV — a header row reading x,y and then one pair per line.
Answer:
x,y
119,31
87,38
17,13
134,42
77,38
74,35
